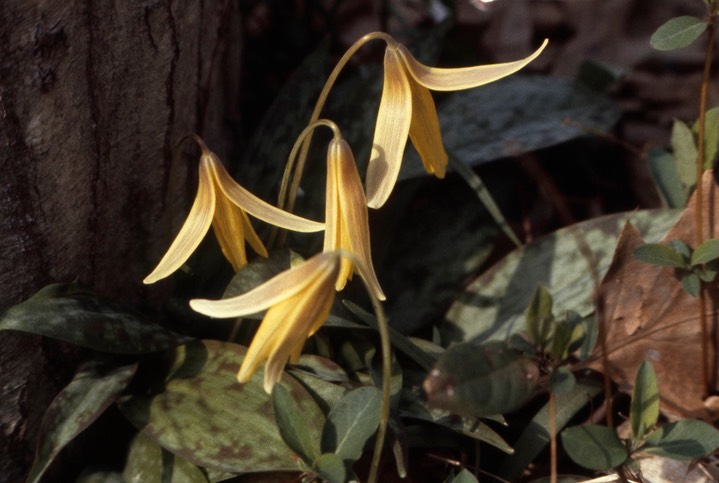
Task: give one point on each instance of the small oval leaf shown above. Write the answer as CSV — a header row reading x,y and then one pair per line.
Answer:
x,y
706,252
678,33
331,468
594,447
644,410
685,440
292,425
351,422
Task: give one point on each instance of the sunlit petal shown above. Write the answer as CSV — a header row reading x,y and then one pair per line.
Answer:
x,y
278,288
424,131
353,207
229,230
258,208
192,232
439,79
251,236
390,135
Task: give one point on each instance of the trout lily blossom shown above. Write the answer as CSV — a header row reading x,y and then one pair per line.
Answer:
x,y
407,109
299,301
347,226
224,204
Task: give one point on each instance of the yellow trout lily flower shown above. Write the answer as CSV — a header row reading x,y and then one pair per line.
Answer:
x,y
224,204
406,108
299,301
347,226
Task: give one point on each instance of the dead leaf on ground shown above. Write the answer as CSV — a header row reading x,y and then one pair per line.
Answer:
x,y
647,315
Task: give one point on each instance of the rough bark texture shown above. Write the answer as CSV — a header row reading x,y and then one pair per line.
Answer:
x,y
93,96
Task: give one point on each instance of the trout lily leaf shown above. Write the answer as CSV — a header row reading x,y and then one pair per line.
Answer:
x,y
299,301
224,204
407,109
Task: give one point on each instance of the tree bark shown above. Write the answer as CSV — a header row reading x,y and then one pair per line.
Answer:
x,y
93,96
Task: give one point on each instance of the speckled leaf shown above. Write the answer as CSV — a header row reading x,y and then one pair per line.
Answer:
x,y
147,462
72,314
80,403
206,417
351,422
515,115
565,262
480,380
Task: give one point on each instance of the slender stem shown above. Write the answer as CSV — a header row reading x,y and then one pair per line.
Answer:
x,y
699,207
553,436
386,383
288,192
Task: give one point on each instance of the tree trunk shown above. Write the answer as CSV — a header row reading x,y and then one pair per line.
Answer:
x,y
93,96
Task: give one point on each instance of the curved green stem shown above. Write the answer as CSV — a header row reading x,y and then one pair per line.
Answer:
x,y
386,384
288,192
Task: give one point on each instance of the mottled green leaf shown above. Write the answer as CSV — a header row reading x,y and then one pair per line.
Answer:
x,y
678,33
659,254
351,422
147,462
594,447
80,403
567,262
706,252
206,417
331,468
515,115
292,425
536,436
683,440
481,380
644,410
72,314
663,170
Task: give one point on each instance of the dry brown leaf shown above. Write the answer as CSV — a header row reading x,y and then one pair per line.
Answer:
x,y
647,315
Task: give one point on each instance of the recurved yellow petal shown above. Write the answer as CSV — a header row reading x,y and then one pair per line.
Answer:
x,y
258,208
439,79
391,130
278,288
230,232
193,230
424,131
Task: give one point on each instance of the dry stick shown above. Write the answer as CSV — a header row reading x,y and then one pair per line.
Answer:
x,y
699,207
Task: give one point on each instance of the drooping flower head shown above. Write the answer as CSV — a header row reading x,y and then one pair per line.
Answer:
x,y
347,226
299,301
407,109
224,204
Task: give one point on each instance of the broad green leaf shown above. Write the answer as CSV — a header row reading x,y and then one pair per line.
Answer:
x,y
148,462
660,254
515,115
540,320
691,283
292,425
565,262
678,33
562,380
77,406
536,435
684,440
480,380
464,476
351,422
331,468
206,417
72,314
685,152
706,252
663,169
594,447
644,411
